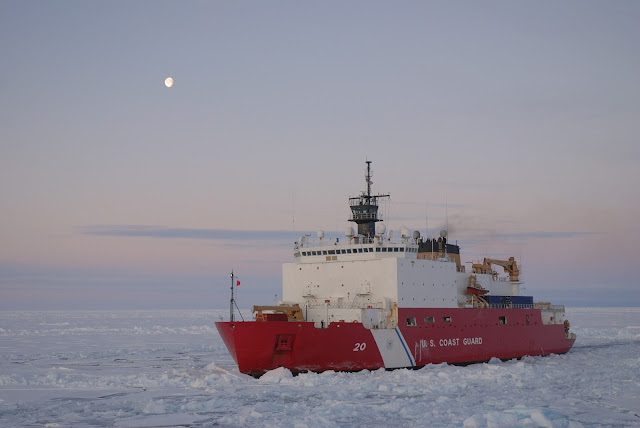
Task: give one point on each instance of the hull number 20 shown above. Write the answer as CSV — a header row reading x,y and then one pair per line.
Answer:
x,y
360,346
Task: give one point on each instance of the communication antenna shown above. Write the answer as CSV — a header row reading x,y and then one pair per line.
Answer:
x,y
293,213
446,213
426,218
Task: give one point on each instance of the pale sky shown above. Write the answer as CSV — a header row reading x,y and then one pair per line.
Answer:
x,y
519,122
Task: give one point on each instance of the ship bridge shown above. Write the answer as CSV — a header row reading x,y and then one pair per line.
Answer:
x,y
354,251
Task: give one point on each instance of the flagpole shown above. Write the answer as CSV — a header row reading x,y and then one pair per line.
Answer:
x,y
232,301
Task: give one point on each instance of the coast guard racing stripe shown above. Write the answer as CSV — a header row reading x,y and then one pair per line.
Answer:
x,y
393,348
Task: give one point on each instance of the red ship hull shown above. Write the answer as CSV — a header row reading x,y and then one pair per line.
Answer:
x,y
451,335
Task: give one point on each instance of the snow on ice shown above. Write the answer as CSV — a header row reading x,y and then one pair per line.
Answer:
x,y
170,368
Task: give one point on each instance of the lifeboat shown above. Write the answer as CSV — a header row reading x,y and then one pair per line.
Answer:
x,y
476,290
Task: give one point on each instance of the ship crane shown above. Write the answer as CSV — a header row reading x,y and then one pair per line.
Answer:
x,y
510,266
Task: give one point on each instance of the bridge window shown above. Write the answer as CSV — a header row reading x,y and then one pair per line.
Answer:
x,y
324,252
411,321
377,249
395,249
332,251
402,249
348,250
359,250
384,249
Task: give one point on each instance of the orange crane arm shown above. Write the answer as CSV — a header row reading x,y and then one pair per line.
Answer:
x,y
509,266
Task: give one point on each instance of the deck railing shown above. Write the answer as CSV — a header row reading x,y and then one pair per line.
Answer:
x,y
542,306
510,306
344,305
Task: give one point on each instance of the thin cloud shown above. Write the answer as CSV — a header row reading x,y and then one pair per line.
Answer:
x,y
162,232
542,235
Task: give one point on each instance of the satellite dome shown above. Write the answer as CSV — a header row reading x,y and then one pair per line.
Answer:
x,y
320,234
381,228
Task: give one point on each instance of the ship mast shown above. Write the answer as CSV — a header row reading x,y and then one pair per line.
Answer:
x,y
364,208
232,302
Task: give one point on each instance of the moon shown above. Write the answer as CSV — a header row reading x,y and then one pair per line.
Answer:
x,y
168,82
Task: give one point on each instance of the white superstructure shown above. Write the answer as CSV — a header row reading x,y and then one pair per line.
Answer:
x,y
345,281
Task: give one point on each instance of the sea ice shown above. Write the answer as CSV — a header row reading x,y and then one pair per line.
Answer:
x,y
170,368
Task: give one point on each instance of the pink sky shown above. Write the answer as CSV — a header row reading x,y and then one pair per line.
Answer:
x,y
518,122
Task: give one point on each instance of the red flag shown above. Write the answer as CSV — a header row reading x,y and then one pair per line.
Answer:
x,y
237,283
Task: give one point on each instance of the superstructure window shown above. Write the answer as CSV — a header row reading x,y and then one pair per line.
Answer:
x,y
384,249
402,249
324,252
332,251
348,250
446,319
428,319
502,320
359,250
377,249
411,321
